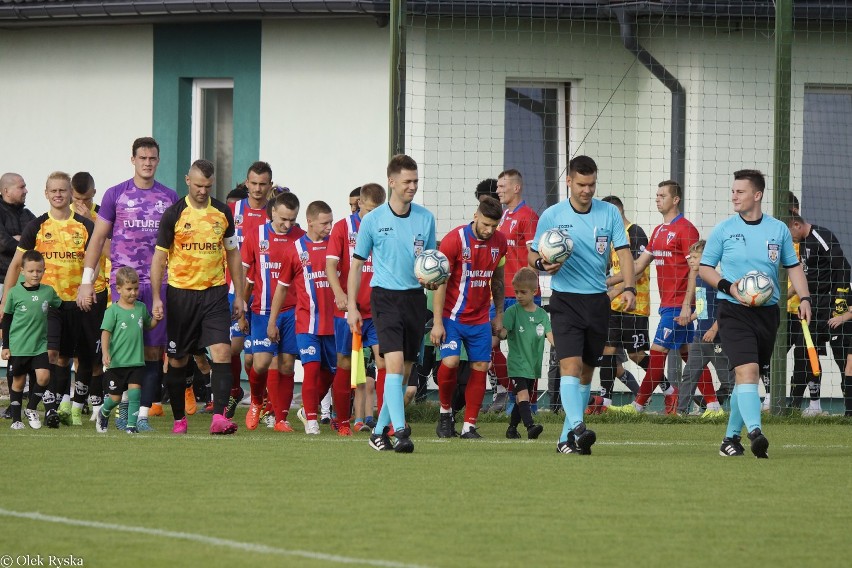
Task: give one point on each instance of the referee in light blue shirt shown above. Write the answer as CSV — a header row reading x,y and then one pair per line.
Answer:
x,y
395,234
579,306
744,242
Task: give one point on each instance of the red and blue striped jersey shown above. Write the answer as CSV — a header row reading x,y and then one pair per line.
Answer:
x,y
245,219
341,245
262,251
303,272
472,264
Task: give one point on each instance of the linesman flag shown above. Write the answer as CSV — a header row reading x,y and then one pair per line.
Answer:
x,y
357,374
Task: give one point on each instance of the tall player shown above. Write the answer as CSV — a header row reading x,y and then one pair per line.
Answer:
x,y
341,247
749,240
130,215
518,224
476,252
394,234
303,271
261,252
669,250
579,305
249,213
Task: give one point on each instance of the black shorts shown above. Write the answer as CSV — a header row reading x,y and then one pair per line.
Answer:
x,y
580,325
197,319
748,334
74,333
23,364
520,384
400,319
628,331
116,379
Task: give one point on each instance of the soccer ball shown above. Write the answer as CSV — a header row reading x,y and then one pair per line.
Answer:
x,y
755,288
555,245
432,267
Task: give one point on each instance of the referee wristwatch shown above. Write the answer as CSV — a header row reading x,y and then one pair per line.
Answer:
x,y
630,289
806,299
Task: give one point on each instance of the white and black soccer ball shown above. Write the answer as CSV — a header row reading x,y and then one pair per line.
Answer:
x,y
432,267
755,288
555,245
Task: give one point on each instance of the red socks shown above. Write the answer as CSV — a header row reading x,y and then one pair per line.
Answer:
x,y
473,395
654,376
257,384
236,371
310,389
341,394
501,371
705,386
380,388
447,380
283,396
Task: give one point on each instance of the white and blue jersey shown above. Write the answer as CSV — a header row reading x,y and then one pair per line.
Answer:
x,y
592,232
741,246
395,241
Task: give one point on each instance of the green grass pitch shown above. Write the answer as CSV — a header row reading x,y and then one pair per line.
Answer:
x,y
654,493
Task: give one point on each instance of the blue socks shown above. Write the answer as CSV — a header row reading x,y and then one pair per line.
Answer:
x,y
735,420
749,403
393,408
569,390
584,397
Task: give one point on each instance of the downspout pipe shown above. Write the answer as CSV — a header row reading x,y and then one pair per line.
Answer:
x,y
630,39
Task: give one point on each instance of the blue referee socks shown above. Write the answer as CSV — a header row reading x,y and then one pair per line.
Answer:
x,y
569,390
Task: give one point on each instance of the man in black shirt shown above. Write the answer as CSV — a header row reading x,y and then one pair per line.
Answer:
x,y
828,275
13,217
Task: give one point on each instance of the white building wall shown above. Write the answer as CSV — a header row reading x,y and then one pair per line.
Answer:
x,y
324,107
73,99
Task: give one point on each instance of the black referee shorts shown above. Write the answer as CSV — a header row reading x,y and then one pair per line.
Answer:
x,y
400,320
580,325
748,334
197,319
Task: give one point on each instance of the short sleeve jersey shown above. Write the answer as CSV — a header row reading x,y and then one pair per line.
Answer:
x,y
28,330
638,243
472,264
519,227
739,246
262,252
303,272
341,246
246,219
527,334
593,232
196,241
669,246
63,245
126,346
135,214
395,241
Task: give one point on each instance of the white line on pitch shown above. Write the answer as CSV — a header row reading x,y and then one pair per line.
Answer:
x,y
246,546
330,439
